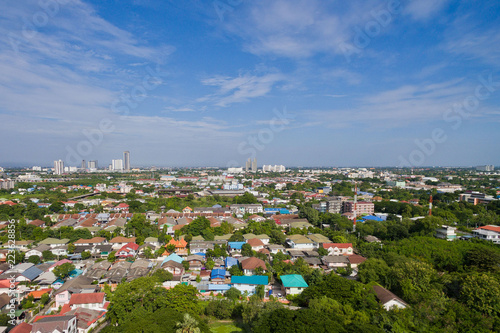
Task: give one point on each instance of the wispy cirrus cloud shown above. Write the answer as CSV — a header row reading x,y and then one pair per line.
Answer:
x,y
239,89
400,107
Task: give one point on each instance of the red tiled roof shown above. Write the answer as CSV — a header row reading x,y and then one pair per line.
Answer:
x,y
255,242
491,228
121,239
337,245
37,222
90,241
22,328
253,263
86,298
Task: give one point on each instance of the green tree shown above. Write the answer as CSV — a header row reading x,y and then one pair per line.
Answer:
x,y
47,255
188,325
62,271
34,259
482,293
246,250
233,293
86,255
162,275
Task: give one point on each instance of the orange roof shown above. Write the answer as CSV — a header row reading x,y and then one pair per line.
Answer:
x,y
491,228
22,328
121,239
255,242
86,298
90,241
38,293
181,243
253,263
337,245
6,283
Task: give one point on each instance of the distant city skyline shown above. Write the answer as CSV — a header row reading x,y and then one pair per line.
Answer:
x,y
291,82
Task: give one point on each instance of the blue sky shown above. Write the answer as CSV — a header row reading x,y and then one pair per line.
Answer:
x,y
212,83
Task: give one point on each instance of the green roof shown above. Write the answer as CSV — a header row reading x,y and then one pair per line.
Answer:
x,y
151,239
293,280
223,237
249,236
198,238
49,241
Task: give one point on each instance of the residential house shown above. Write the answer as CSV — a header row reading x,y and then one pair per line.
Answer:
x,y
173,264
235,247
87,319
201,247
249,265
447,232
54,242
29,275
22,328
218,276
355,260
55,324
93,301
313,262
128,250
256,244
91,242
275,248
300,242
37,251
249,283
337,249
152,241
195,262
335,261
293,284
256,218
119,241
38,223
246,208
388,299
24,245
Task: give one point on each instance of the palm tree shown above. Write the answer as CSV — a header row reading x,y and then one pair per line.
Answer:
x,y
189,325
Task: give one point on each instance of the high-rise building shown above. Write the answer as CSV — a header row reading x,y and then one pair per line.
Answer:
x,y
254,165
486,168
126,160
117,165
58,167
83,164
92,165
248,165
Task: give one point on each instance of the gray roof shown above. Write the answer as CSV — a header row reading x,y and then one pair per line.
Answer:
x,y
335,259
32,273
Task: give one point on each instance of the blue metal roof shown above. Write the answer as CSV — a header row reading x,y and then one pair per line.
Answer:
x,y
230,261
218,287
32,273
372,218
254,279
218,273
236,245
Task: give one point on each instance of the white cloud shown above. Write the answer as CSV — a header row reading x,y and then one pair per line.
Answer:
x,y
424,9
239,89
